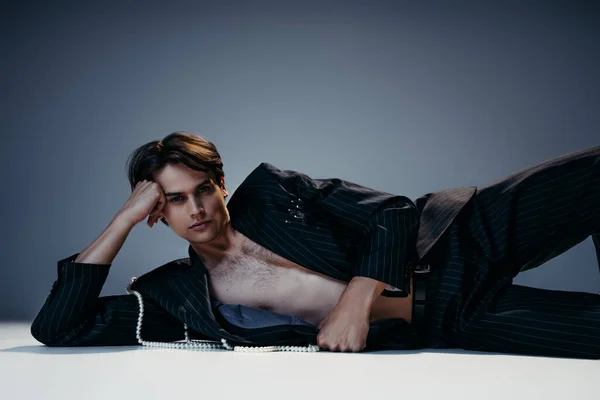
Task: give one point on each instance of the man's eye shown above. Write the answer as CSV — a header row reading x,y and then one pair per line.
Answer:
x,y
173,200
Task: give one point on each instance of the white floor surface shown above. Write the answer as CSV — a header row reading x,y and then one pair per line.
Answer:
x,y
30,370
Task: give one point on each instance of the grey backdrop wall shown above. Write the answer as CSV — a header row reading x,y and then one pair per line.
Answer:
x,y
383,94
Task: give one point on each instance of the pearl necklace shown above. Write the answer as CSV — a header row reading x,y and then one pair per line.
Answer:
x,y
206,345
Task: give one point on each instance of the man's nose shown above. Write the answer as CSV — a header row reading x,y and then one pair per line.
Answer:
x,y
196,206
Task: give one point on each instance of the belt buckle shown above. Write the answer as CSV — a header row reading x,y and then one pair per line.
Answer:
x,y
422,271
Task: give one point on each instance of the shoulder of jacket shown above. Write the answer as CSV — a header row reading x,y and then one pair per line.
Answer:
x,y
166,268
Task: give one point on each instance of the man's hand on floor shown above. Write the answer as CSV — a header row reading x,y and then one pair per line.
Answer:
x,y
345,328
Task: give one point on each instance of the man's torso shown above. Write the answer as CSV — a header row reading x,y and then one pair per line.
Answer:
x,y
257,277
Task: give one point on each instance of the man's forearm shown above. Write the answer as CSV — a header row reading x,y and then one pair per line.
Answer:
x,y
362,292
105,247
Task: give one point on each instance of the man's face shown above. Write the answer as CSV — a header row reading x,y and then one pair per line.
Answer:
x,y
197,197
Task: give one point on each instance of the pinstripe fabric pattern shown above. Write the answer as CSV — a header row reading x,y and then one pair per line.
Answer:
x,y
74,315
514,224
438,210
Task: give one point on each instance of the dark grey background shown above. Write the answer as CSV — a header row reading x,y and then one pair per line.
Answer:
x,y
403,98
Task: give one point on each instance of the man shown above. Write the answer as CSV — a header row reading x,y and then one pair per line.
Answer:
x,y
341,260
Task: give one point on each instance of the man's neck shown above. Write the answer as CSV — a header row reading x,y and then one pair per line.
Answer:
x,y
211,253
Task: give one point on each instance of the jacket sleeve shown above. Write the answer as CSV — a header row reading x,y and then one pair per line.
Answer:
x,y
74,314
386,225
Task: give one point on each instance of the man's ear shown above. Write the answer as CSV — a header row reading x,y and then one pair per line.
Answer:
x,y
223,186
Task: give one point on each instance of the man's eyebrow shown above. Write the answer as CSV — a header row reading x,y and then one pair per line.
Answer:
x,y
204,182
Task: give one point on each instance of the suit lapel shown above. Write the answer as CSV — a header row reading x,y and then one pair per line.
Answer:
x,y
438,213
181,288
190,287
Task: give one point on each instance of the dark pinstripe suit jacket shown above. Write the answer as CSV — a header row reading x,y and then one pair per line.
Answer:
x,y
331,226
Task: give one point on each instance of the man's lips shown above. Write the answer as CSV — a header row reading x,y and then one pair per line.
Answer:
x,y
199,223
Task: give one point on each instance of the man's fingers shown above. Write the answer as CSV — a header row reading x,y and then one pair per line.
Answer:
x,y
320,342
323,342
340,348
154,217
339,343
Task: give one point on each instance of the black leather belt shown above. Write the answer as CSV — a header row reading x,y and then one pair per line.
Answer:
x,y
420,275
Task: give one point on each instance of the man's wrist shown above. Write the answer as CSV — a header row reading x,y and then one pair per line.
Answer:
x,y
362,292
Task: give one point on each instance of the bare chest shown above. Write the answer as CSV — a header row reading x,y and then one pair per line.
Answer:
x,y
248,277
259,278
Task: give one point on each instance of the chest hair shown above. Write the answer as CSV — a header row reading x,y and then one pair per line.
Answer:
x,y
252,267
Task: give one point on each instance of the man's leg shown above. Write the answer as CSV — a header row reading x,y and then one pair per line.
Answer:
x,y
531,216
518,223
542,322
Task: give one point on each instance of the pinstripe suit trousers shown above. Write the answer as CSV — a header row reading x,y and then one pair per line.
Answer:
x,y
512,225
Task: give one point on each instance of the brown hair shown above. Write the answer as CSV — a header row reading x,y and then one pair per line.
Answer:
x,y
178,147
